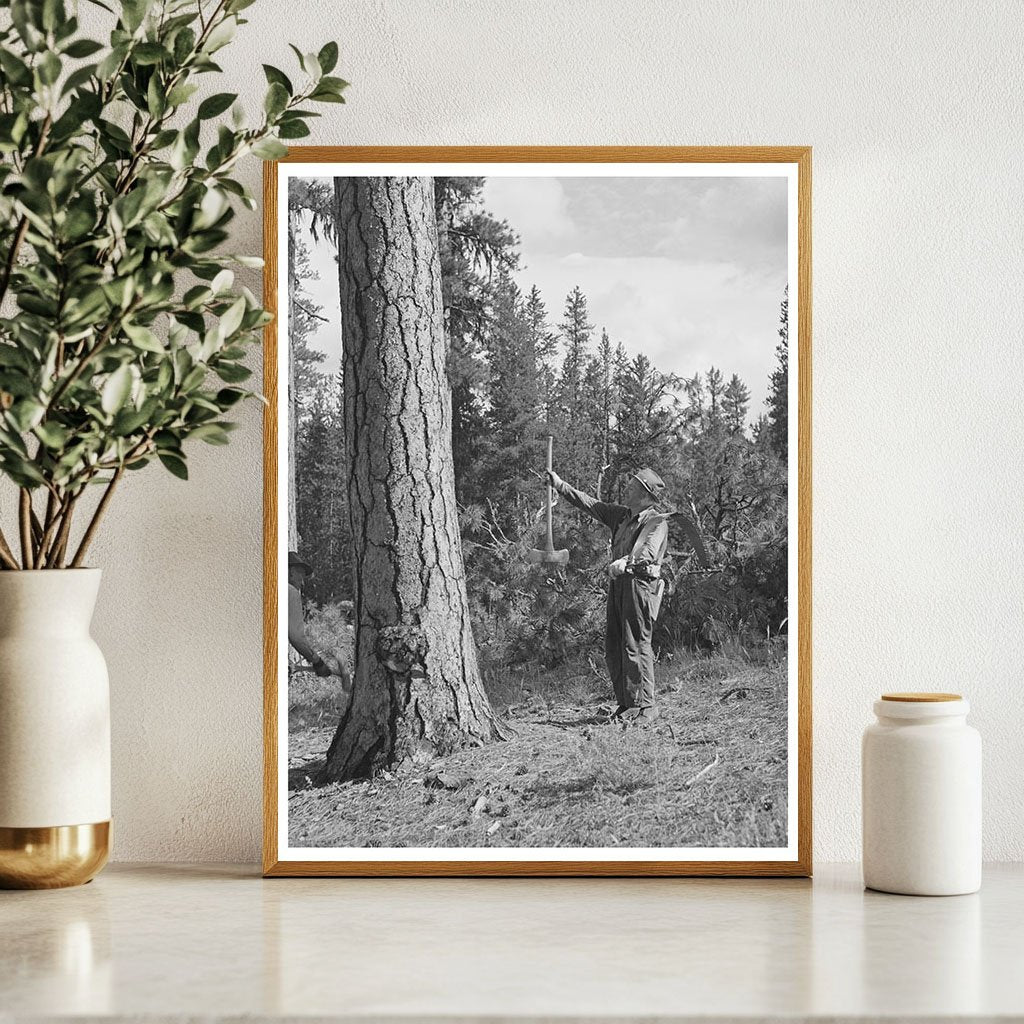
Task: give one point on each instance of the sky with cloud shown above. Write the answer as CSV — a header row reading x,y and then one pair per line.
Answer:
x,y
688,270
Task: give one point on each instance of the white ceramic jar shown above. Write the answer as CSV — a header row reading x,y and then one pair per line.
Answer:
x,y
921,778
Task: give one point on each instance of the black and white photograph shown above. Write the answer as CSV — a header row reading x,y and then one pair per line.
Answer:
x,y
537,534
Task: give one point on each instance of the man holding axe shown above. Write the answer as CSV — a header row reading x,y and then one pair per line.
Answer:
x,y
638,546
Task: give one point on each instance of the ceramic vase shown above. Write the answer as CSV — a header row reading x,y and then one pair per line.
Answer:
x,y
54,731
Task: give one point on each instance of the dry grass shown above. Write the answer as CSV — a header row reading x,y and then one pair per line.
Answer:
x,y
569,778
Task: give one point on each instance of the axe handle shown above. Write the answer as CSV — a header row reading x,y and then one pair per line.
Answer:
x,y
551,541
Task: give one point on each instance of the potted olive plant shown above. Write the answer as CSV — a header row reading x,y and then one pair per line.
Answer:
x,y
122,338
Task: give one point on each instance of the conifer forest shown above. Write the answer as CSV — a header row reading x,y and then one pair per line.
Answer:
x,y
541,767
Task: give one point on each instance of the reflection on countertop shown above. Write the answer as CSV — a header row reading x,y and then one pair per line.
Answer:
x,y
179,941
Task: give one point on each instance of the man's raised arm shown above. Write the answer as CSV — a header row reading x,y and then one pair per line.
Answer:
x,y
602,511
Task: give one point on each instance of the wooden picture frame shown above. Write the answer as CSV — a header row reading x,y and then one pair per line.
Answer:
x,y
277,862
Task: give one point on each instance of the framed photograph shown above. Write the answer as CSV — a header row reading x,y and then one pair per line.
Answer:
x,y
538,511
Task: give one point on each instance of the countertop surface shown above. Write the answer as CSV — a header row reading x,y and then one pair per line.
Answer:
x,y
173,942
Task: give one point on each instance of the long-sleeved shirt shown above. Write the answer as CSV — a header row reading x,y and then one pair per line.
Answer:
x,y
297,628
626,526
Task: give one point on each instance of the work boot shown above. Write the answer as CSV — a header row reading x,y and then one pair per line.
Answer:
x,y
639,716
619,712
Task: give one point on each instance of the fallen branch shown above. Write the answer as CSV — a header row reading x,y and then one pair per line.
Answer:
x,y
690,783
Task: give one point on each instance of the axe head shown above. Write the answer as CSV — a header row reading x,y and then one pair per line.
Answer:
x,y
545,556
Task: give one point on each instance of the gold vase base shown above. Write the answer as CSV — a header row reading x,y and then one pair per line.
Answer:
x,y
53,857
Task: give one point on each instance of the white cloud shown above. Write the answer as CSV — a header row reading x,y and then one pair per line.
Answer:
x,y
536,208
684,316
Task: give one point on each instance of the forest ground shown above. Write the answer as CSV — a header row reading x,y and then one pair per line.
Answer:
x,y
710,772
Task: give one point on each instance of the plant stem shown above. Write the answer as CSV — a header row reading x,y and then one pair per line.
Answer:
x,y
60,544
94,523
20,231
37,530
25,523
6,554
51,524
87,356
12,255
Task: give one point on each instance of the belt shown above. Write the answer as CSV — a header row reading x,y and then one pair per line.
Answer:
x,y
645,572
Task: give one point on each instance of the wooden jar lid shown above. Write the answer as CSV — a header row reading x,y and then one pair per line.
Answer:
x,y
921,698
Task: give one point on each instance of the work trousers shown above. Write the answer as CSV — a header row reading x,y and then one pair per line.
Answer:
x,y
627,642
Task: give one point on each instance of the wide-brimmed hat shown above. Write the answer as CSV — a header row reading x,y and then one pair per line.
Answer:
x,y
294,562
651,482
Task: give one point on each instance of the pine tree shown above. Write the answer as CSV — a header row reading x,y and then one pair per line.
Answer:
x,y
472,247
609,402
513,396
647,421
572,425
544,342
716,387
417,690
778,388
735,402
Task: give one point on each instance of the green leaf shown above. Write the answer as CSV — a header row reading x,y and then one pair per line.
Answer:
x,y
232,319
193,379
78,78
16,70
175,465
133,13
232,373
149,53
26,414
222,281
21,471
53,435
107,67
83,48
49,68
269,149
25,18
216,104
276,99
65,27
333,84
181,94
195,296
211,433
275,76
116,390
184,43
221,35
293,130
328,57
128,421
326,96
144,338
227,397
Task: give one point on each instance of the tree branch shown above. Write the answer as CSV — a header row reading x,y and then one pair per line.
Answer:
x,y
22,229
94,523
6,554
60,543
25,524
305,309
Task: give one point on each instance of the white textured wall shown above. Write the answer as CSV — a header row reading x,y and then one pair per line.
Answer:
x,y
914,113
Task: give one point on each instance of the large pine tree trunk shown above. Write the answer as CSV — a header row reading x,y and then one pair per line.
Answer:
x,y
417,691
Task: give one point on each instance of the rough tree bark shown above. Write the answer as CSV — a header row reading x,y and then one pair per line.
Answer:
x,y
417,691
